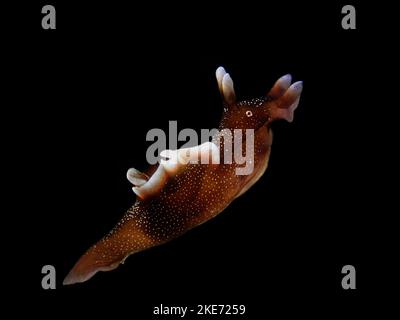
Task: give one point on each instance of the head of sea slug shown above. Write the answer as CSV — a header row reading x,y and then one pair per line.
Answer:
x,y
280,103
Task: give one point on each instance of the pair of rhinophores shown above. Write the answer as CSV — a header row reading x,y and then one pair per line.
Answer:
x,y
179,194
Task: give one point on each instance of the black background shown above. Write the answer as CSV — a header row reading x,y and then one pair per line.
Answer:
x,y
92,88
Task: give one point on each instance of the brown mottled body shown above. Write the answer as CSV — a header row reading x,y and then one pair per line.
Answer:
x,y
196,193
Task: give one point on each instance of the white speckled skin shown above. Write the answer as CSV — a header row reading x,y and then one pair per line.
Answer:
x,y
195,193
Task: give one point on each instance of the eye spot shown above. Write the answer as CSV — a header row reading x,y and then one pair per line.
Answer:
x,y
249,113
